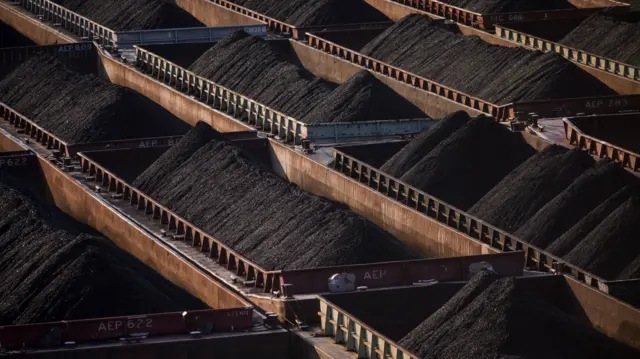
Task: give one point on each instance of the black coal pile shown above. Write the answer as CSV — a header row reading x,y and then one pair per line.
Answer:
x,y
123,15
571,238
80,107
272,222
159,171
310,13
10,37
612,245
476,285
363,98
616,39
494,73
505,319
255,68
502,6
469,163
250,66
529,187
631,271
53,269
426,141
586,193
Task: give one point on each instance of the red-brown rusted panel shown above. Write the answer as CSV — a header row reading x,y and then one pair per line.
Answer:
x,y
118,327
30,334
388,274
123,144
488,21
233,319
573,106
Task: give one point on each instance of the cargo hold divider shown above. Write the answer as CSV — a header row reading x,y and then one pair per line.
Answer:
x,y
600,148
400,273
356,336
432,207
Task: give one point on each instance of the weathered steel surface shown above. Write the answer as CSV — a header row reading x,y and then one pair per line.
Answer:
x,y
390,274
101,329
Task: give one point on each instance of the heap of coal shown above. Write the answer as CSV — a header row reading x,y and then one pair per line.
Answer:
x,y
253,67
502,6
514,200
310,13
80,107
250,66
493,317
469,163
616,39
423,143
156,174
55,269
270,221
493,73
632,271
612,245
123,15
10,37
363,98
571,238
586,193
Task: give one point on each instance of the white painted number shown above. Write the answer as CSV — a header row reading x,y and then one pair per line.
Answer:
x,y
607,103
243,313
116,325
510,17
154,143
74,47
148,143
375,274
13,162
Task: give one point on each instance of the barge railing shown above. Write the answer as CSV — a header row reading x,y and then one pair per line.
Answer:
x,y
576,55
90,30
283,28
488,21
600,148
179,228
32,130
551,108
71,21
